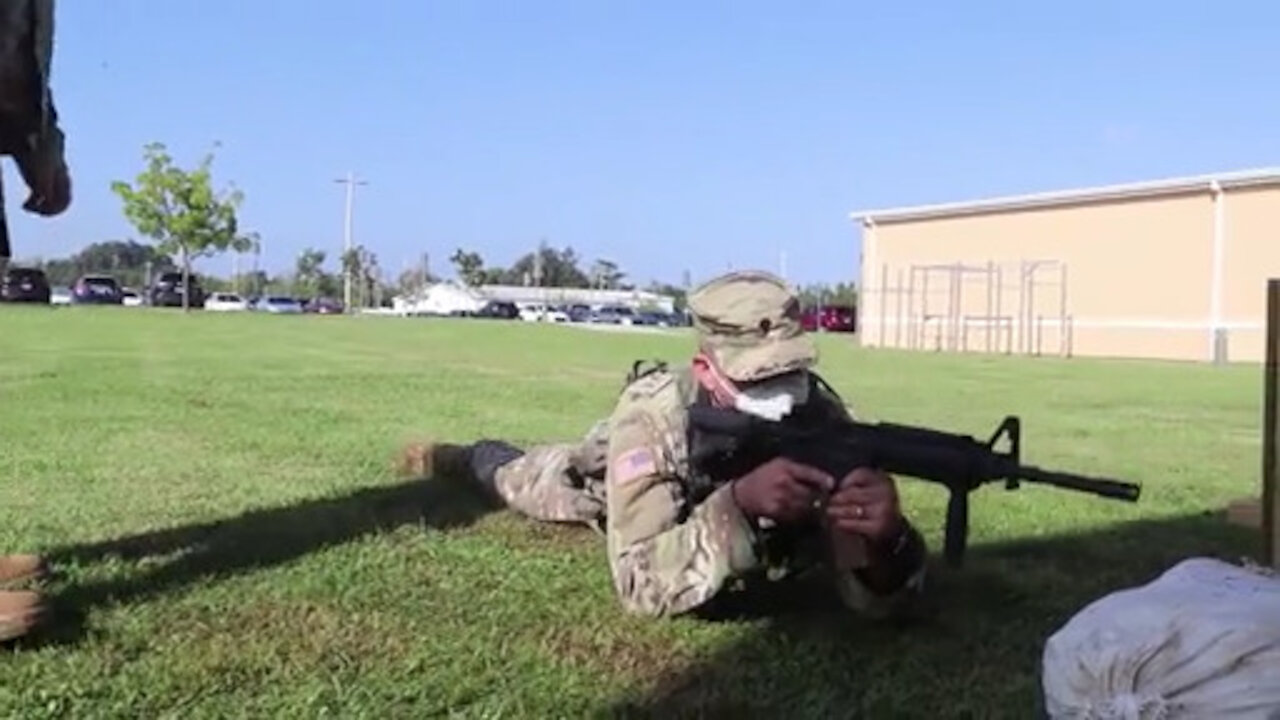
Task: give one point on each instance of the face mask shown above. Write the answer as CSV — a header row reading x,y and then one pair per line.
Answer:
x,y
775,398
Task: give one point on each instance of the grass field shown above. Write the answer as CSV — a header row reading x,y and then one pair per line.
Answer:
x,y
217,496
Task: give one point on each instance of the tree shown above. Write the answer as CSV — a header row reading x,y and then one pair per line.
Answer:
x,y
679,296
606,275
414,280
361,265
469,266
547,267
127,260
309,272
370,278
352,268
180,210
843,294
254,282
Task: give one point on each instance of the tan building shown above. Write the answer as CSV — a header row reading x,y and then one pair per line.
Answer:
x,y
1172,269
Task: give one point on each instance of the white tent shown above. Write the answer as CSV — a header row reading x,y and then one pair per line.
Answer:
x,y
443,298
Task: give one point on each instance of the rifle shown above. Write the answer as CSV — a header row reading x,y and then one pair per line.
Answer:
x,y
960,462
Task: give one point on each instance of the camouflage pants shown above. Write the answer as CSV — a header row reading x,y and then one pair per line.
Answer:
x,y
559,482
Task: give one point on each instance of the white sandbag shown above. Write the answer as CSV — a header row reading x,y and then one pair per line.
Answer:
x,y
1201,641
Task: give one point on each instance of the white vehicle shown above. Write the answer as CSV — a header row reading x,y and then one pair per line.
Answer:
x,y
225,302
60,296
278,305
541,313
131,297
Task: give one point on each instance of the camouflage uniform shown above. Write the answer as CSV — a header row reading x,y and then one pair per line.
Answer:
x,y
626,477
29,131
559,482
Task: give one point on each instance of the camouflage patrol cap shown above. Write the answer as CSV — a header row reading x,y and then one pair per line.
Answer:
x,y
749,323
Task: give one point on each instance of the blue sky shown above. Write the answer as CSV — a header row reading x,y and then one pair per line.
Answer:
x,y
664,136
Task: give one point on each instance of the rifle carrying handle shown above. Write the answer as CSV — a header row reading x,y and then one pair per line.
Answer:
x,y
957,530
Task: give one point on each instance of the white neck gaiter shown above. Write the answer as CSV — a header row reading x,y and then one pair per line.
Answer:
x,y
771,399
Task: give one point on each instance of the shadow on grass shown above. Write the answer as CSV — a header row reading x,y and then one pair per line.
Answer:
x,y
972,652
252,541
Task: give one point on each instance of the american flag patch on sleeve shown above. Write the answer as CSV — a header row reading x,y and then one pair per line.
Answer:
x,y
634,464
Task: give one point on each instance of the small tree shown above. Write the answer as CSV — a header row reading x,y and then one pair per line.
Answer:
x,y
180,210
309,274
605,275
469,266
352,269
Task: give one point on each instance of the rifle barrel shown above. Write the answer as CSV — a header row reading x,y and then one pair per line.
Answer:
x,y
1098,486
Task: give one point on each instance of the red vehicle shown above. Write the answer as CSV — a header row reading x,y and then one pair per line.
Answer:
x,y
830,318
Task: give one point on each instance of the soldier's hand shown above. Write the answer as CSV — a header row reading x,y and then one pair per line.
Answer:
x,y
866,504
781,489
43,167
50,194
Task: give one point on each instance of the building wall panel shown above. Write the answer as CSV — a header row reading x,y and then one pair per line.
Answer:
x,y
1251,253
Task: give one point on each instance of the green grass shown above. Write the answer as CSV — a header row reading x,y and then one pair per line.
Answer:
x,y
216,494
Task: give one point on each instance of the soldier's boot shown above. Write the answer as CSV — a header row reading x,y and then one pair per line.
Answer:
x,y
476,463
431,459
21,611
20,568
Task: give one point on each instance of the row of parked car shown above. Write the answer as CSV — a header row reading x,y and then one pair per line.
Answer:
x,y
828,318
21,284
579,313
25,284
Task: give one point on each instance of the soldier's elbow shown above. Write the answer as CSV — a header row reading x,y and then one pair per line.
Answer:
x,y
634,605
638,597
657,606
647,595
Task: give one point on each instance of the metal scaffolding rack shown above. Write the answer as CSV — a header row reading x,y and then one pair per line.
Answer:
x,y
923,320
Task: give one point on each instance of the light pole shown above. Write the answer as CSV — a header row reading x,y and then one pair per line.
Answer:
x,y
351,182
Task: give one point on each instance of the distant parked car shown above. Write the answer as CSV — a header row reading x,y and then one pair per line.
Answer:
x,y
168,289
278,304
541,313
499,309
225,302
831,318
681,318
131,297
97,290
323,306
660,319
578,313
60,295
25,285
614,315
